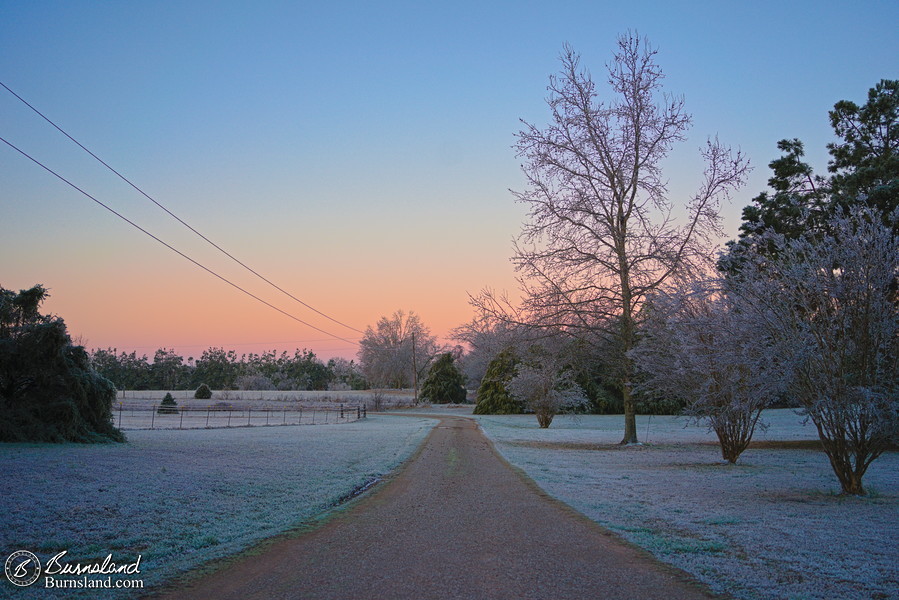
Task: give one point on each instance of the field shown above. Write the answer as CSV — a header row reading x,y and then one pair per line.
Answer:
x,y
772,526
181,498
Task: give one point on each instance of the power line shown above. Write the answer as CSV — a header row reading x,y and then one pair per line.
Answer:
x,y
170,247
176,217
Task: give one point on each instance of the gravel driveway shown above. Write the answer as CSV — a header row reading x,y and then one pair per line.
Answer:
x,y
456,522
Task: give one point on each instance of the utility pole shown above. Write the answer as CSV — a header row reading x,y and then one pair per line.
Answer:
x,y
414,370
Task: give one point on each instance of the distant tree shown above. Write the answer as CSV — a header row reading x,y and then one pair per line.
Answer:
x,y
307,370
48,390
167,370
254,381
700,347
827,308
203,392
444,383
493,397
397,351
346,374
601,234
217,368
543,386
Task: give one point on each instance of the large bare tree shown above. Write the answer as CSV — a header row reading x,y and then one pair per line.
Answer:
x,y
397,352
602,232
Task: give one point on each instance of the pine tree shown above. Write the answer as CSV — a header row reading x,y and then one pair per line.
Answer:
x,y
493,395
443,384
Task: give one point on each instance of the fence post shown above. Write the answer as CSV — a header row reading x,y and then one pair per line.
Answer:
x,y
153,417
181,423
268,413
364,411
249,412
120,415
341,412
313,416
207,416
229,417
284,421
358,412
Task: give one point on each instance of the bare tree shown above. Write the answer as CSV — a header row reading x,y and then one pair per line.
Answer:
x,y
602,233
830,309
397,351
700,347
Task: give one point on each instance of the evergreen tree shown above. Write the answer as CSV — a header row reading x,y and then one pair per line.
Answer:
x,y
168,406
48,390
493,395
865,172
444,383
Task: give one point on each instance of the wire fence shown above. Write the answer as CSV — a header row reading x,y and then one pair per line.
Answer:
x,y
161,416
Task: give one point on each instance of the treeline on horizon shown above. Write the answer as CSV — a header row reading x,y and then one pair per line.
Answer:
x,y
222,369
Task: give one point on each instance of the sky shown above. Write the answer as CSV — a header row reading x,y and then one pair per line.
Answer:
x,y
357,154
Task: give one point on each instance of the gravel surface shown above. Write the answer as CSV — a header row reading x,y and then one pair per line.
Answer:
x,y
455,523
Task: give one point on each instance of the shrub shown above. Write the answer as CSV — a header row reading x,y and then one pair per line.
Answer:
x,y
168,406
443,384
545,389
203,392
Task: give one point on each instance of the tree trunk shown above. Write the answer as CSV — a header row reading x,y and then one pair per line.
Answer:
x,y
630,415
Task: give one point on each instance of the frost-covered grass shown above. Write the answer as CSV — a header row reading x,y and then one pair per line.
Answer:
x,y
181,498
771,526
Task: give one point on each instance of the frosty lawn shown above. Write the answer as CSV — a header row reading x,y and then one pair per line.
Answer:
x,y
772,526
180,498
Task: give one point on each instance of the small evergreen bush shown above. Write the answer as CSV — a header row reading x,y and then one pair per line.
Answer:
x,y
168,406
203,392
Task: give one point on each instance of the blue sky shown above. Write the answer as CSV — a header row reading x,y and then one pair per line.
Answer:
x,y
359,154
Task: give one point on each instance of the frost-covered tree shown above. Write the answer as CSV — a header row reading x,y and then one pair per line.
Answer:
x,y
493,397
701,348
543,386
829,311
444,383
601,234
397,351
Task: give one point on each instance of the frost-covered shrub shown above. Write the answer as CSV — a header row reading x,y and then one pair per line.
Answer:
x,y
542,387
829,306
701,348
168,406
203,392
